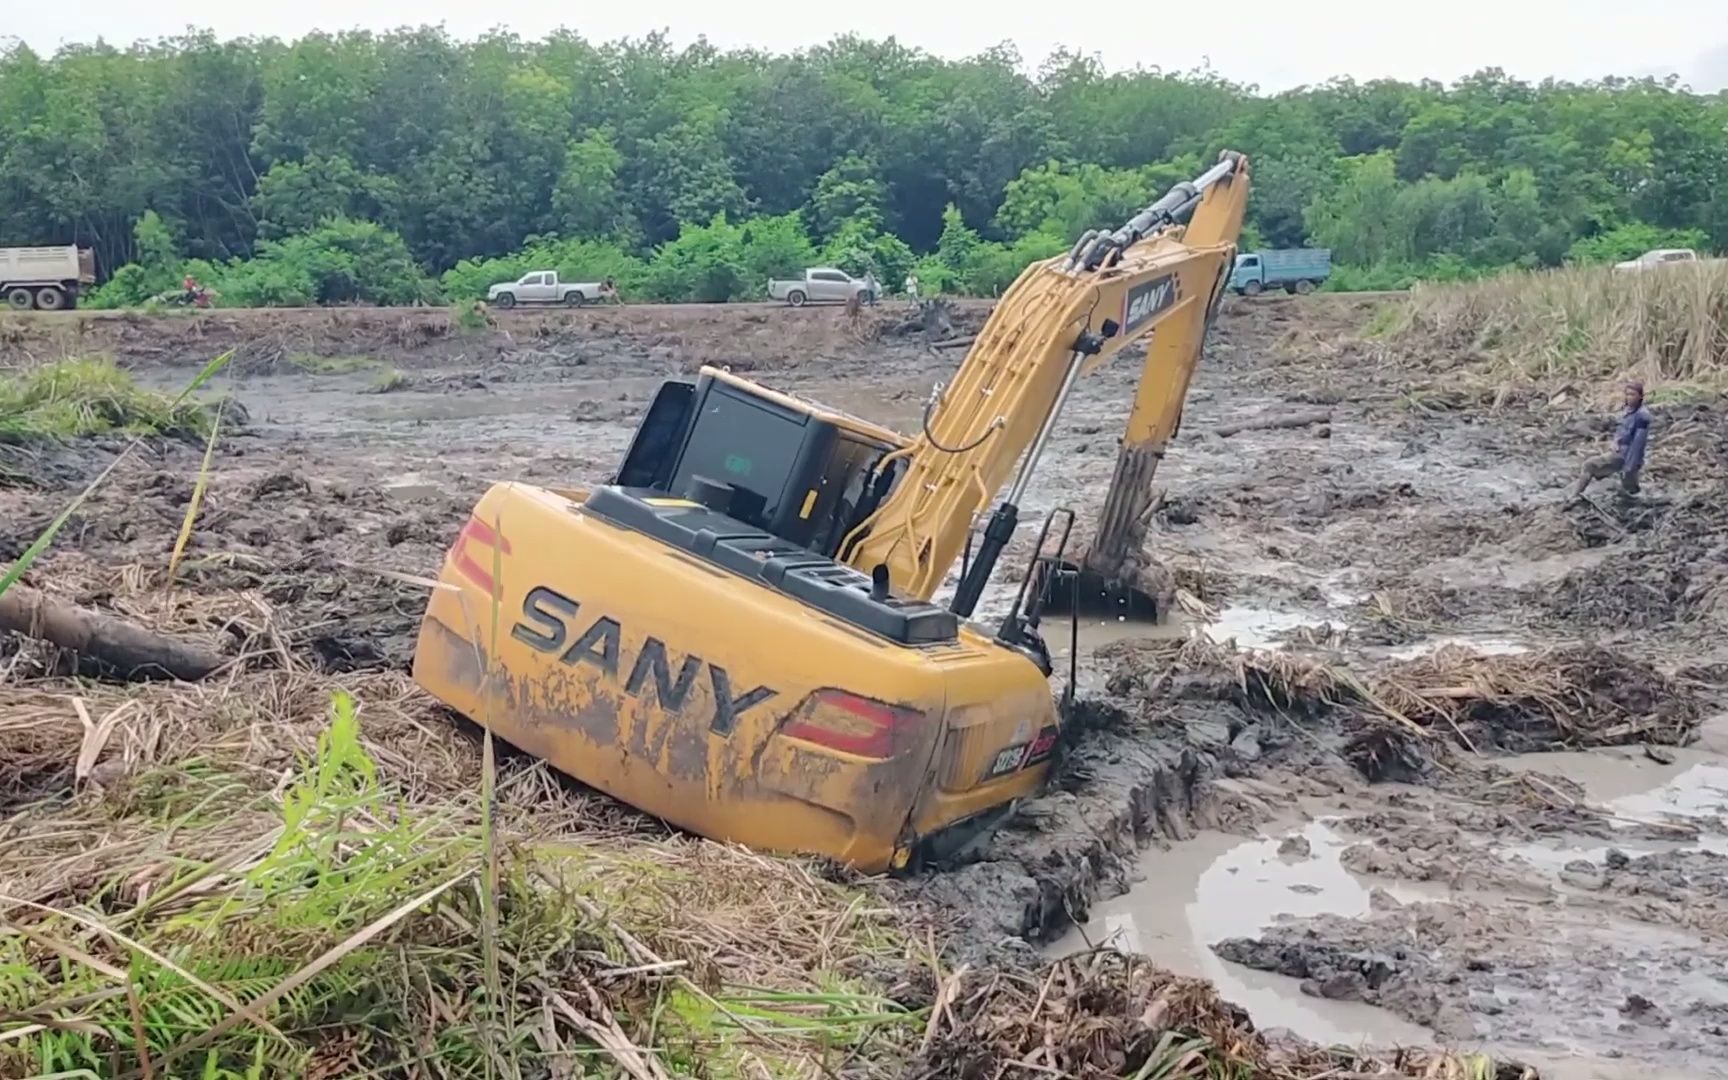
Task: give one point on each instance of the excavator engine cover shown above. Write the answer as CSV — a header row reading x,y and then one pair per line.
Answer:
x,y
686,641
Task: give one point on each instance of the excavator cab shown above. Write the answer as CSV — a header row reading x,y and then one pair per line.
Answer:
x,y
789,467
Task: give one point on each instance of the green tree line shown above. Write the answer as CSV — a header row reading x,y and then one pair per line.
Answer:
x,y
409,165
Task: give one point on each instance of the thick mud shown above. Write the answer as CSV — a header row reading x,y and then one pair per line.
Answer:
x,y
1342,837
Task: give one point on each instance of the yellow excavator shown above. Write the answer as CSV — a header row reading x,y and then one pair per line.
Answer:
x,y
739,634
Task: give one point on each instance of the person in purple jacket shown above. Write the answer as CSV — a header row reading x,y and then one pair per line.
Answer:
x,y
1630,439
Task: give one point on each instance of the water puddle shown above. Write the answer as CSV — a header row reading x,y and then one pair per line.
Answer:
x,y
1217,886
1510,571
1263,628
1692,790
412,487
1249,627
1487,646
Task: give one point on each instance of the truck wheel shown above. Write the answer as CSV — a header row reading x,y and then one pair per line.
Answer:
x,y
866,297
505,300
795,298
50,299
20,299
1304,287
574,298
1253,288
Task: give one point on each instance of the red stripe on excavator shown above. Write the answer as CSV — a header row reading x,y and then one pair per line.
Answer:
x,y
484,533
481,533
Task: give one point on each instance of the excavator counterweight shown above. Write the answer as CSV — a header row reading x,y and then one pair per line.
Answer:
x,y
739,632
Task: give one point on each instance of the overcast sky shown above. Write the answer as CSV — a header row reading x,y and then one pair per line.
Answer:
x,y
1276,45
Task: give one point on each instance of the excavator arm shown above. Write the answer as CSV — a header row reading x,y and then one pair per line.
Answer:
x,y
1162,274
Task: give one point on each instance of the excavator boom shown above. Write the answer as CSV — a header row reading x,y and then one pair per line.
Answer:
x,y
1163,271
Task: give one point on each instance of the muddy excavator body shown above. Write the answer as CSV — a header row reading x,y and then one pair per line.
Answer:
x,y
738,633
693,648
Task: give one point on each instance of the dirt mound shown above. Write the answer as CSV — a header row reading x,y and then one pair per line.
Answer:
x,y
633,339
1571,697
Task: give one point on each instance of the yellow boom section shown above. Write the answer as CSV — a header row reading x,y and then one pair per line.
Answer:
x,y
1061,317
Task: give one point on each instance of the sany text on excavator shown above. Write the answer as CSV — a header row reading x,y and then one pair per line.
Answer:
x,y
738,634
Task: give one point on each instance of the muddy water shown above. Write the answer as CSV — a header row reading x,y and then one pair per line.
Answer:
x,y
1692,790
1218,886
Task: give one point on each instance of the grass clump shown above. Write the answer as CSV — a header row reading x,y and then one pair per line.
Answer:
x,y
1670,324
472,318
72,398
333,365
391,380
333,921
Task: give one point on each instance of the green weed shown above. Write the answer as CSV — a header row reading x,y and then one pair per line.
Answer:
x,y
72,398
471,318
1387,320
333,365
390,381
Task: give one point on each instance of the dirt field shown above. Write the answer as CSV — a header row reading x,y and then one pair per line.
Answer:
x,y
1469,787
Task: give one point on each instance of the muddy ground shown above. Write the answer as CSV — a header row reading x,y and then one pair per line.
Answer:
x,y
1337,873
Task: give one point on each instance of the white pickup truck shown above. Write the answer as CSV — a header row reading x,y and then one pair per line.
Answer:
x,y
543,287
822,284
49,278
1650,260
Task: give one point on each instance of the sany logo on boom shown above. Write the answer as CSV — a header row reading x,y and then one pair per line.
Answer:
x,y
1146,300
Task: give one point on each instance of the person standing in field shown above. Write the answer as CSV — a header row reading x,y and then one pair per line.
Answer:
x,y
1630,439
911,287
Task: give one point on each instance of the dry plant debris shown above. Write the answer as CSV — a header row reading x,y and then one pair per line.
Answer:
x,y
1577,696
1106,1014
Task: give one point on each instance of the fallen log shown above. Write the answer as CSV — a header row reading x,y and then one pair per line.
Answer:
x,y
134,652
1268,423
954,343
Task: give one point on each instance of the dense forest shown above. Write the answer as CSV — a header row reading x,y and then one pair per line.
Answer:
x,y
411,166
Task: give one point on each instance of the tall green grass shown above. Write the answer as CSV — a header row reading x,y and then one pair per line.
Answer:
x,y
347,939
1670,324
72,398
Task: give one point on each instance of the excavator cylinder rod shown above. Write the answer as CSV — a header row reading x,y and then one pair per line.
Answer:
x,y
1175,205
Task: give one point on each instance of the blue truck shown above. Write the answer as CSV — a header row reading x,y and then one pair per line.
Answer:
x,y
1295,270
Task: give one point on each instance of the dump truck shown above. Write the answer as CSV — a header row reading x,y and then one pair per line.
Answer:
x,y
47,278
1295,270
738,632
